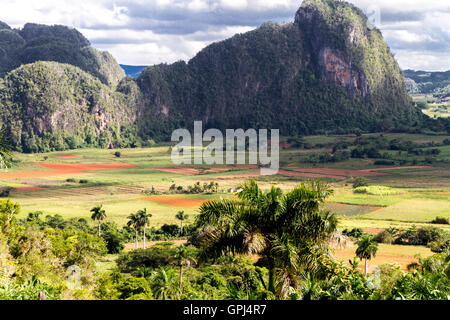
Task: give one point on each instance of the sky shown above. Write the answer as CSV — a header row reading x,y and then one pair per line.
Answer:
x,y
147,32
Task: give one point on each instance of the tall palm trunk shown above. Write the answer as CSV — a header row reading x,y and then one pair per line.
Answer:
x,y
144,237
272,279
136,239
366,267
182,228
99,222
181,277
271,275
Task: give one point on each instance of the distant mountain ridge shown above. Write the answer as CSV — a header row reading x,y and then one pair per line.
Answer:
x,y
35,42
329,71
58,92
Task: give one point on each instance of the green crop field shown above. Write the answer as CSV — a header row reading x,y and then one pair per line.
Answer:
x,y
413,195
401,196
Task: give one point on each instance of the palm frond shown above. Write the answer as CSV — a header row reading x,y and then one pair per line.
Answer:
x,y
251,193
217,212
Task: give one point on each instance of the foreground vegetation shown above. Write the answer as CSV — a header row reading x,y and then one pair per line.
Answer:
x,y
85,220
264,245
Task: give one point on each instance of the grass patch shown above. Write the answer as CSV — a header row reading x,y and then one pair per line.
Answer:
x,y
413,210
378,191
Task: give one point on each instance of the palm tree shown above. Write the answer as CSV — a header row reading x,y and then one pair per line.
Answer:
x,y
183,256
163,284
134,222
144,220
367,249
99,214
181,216
288,231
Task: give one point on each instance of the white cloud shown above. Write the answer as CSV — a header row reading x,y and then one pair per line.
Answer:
x,y
154,31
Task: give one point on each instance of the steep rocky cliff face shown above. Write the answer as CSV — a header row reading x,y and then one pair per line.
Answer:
x,y
35,42
327,71
51,106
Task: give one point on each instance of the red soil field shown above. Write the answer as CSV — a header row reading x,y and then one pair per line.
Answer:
x,y
176,201
67,156
60,169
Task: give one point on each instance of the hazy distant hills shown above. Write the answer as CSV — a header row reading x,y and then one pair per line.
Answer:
x,y
425,82
133,71
328,72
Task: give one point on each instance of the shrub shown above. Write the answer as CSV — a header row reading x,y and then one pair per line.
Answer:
x,y
422,236
441,220
134,289
4,193
172,230
359,182
440,246
154,257
354,233
84,181
113,237
213,279
29,290
384,237
71,180
117,154
384,163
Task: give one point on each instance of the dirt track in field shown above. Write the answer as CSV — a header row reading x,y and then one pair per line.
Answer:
x,y
340,173
60,169
132,246
27,189
396,168
373,231
176,201
67,156
193,171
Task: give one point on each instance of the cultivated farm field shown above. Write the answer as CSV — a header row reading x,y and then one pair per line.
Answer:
x,y
402,195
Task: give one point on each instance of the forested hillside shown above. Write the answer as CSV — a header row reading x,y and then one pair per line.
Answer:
x,y
329,71
51,106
